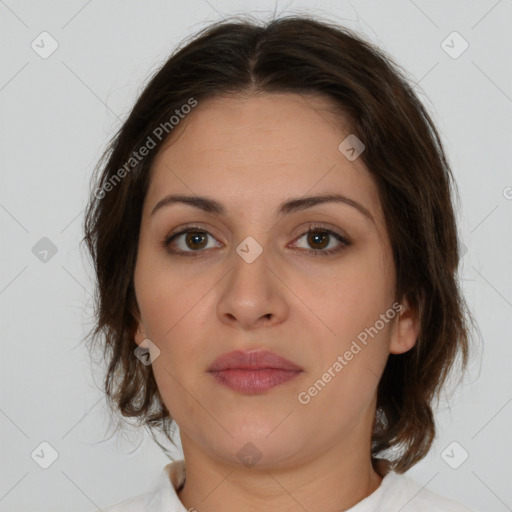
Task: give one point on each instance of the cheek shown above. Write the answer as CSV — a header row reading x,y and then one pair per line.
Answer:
x,y
343,386
171,300
351,304
173,314
349,299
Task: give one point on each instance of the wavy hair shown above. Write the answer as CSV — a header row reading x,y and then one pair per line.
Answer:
x,y
404,154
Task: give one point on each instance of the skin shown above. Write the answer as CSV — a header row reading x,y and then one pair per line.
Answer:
x,y
251,154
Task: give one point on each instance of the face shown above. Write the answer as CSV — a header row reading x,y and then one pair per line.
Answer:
x,y
305,282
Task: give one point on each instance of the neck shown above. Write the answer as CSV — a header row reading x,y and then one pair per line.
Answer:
x,y
331,482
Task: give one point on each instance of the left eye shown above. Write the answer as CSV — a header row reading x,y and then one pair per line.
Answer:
x,y
317,237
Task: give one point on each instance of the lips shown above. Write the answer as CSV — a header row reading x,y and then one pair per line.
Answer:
x,y
252,360
253,372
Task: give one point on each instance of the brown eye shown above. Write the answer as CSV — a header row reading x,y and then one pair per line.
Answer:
x,y
319,239
195,239
189,242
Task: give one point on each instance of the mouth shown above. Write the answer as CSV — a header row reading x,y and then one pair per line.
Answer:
x,y
253,372
254,381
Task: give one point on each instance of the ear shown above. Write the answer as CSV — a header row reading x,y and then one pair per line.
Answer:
x,y
406,329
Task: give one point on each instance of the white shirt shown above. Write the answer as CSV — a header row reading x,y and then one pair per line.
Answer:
x,y
395,493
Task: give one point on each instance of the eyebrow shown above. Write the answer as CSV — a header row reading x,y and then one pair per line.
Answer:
x,y
292,205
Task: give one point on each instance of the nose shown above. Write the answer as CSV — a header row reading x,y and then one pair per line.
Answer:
x,y
253,294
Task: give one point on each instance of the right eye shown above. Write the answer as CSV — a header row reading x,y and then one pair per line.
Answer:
x,y
192,244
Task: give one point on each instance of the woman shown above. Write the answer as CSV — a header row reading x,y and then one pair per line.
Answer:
x,y
276,254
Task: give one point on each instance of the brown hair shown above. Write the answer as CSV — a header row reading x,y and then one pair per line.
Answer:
x,y
403,152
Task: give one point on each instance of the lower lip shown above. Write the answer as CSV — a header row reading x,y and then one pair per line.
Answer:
x,y
254,381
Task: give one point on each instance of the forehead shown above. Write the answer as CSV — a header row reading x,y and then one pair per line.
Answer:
x,y
260,150
270,123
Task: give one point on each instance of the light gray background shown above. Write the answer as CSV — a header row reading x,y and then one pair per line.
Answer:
x,y
56,116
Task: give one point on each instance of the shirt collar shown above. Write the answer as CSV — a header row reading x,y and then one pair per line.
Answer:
x,y
173,478
165,497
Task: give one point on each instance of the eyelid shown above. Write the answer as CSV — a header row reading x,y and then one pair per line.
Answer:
x,y
302,231
188,227
321,226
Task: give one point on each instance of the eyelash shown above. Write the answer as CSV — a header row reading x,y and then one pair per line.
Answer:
x,y
312,229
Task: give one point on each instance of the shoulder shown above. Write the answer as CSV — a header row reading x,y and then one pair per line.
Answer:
x,y
407,495
163,497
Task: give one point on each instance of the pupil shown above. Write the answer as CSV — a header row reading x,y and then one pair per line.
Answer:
x,y
317,236
193,236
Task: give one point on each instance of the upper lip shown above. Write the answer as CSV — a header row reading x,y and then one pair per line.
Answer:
x,y
252,360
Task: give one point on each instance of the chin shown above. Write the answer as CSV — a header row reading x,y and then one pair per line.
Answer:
x,y
255,448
